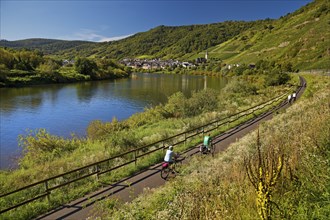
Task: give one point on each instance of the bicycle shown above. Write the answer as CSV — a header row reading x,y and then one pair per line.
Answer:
x,y
204,150
168,168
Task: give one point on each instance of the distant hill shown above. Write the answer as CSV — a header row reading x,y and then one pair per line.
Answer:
x,y
167,42
302,38
48,46
162,41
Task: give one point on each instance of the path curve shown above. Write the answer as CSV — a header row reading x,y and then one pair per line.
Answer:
x,y
129,188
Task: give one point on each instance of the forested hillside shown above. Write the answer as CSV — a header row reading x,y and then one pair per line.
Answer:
x,y
167,42
47,46
164,42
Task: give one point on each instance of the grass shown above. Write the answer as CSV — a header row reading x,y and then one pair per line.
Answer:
x,y
219,188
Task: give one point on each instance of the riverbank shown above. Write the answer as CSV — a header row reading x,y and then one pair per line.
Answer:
x,y
20,78
48,155
25,67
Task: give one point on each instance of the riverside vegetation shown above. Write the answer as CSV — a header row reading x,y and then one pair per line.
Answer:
x,y
281,171
46,155
31,67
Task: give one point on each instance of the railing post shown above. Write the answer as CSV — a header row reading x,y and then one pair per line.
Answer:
x,y
48,193
97,172
185,140
135,159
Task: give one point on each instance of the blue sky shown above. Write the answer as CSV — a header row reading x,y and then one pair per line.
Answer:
x,y
109,20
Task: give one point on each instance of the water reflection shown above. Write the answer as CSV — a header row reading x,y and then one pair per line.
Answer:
x,y
62,109
85,91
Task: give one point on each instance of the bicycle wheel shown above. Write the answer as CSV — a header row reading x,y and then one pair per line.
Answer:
x,y
203,150
212,149
165,172
176,166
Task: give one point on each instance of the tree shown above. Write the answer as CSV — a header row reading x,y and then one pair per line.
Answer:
x,y
3,75
49,66
27,60
240,69
7,58
175,106
277,77
85,66
287,67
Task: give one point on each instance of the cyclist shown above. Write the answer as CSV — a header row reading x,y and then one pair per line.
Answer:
x,y
289,99
170,157
206,143
294,96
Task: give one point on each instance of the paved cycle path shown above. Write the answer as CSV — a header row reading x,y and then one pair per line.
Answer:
x,y
130,187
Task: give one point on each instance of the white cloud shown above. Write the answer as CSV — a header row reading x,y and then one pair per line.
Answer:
x,y
104,39
92,35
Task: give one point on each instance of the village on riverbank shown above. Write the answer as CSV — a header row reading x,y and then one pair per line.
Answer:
x,y
148,64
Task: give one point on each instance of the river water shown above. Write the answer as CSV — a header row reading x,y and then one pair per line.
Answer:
x,y
63,109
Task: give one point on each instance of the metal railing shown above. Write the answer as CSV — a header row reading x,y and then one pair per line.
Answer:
x,y
46,186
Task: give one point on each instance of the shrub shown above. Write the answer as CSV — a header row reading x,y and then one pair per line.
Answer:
x,y
241,87
203,101
97,129
276,77
149,116
175,106
3,73
39,146
85,66
49,67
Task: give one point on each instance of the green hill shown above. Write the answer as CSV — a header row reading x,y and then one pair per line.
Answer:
x,y
47,46
162,41
302,38
167,42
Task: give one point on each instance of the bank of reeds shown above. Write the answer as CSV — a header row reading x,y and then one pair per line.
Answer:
x,y
287,163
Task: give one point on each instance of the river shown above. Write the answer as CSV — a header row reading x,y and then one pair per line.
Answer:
x,y
63,109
